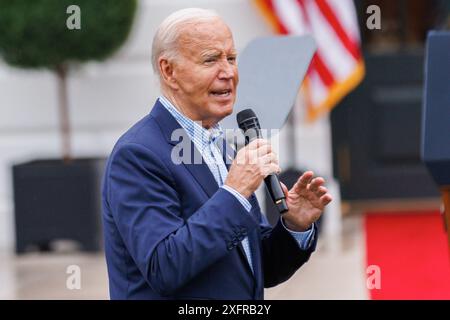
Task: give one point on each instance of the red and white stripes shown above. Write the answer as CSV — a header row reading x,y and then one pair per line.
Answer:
x,y
337,67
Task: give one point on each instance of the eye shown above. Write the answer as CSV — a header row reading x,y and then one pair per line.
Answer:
x,y
232,59
210,60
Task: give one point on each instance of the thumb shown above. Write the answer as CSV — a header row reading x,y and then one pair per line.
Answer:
x,y
285,189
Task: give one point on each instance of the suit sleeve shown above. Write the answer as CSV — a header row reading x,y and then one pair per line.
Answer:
x,y
168,250
281,254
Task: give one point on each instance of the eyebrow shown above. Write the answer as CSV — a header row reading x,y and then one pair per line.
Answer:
x,y
216,53
211,53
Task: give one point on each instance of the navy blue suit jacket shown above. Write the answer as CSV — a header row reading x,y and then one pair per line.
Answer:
x,y
171,233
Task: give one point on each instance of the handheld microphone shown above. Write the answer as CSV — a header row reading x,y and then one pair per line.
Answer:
x,y
249,124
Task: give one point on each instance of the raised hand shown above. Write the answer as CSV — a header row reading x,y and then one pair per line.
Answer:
x,y
306,201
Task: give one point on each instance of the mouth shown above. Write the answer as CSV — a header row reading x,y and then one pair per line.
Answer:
x,y
221,93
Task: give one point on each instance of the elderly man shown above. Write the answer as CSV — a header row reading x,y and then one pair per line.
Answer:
x,y
195,230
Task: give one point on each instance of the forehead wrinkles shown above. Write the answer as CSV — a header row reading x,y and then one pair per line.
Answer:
x,y
200,37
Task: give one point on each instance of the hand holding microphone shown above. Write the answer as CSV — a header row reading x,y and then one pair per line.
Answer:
x,y
252,164
256,162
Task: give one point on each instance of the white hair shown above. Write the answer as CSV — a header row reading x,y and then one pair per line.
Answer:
x,y
168,32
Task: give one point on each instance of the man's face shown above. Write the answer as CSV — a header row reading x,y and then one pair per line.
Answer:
x,y
205,72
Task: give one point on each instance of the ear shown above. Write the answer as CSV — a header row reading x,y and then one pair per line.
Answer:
x,y
166,69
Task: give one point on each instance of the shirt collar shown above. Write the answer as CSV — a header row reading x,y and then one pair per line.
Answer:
x,y
201,136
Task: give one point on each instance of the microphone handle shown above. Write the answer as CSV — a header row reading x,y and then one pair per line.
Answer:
x,y
276,192
272,182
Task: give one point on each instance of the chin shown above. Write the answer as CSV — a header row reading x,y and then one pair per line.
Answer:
x,y
221,109
225,110
228,109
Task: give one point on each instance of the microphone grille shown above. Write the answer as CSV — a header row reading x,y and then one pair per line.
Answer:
x,y
245,115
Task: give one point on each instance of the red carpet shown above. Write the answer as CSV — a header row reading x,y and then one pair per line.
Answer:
x,y
412,253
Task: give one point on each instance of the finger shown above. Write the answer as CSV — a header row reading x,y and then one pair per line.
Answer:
x,y
274,156
255,144
303,181
315,184
321,191
271,168
263,150
243,156
254,158
255,155
269,158
326,199
285,189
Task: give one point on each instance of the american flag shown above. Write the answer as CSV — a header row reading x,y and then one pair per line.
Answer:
x,y
338,66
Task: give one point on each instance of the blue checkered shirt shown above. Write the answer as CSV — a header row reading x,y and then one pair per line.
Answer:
x,y
205,141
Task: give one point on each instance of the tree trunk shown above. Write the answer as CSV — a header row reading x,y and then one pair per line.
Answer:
x,y
64,121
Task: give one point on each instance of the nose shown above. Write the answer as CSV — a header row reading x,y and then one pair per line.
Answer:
x,y
227,70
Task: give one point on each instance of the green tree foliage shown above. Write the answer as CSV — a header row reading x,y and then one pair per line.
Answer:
x,y
34,33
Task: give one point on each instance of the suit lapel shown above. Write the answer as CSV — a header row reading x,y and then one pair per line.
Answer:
x,y
184,150
200,171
